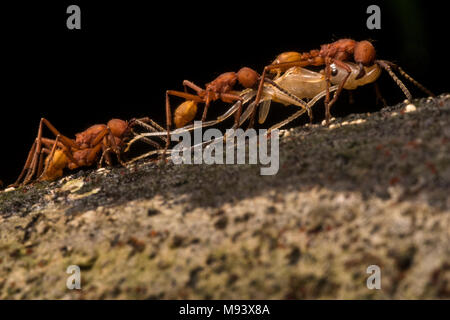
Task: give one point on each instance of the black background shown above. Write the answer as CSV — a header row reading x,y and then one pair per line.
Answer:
x,y
279,309
128,53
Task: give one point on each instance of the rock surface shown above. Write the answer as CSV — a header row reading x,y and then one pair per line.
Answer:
x,y
368,190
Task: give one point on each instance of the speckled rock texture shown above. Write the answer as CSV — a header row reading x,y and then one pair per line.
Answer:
x,y
371,189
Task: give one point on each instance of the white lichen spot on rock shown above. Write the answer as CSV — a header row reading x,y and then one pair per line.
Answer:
x,y
410,108
324,122
358,121
73,185
284,133
84,195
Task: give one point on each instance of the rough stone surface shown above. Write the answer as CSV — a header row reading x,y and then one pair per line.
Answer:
x,y
368,190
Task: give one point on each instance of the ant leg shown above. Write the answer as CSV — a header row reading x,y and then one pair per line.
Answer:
x,y
193,86
33,162
41,161
65,140
168,123
105,155
143,122
103,139
379,95
351,99
114,148
26,167
207,103
52,144
50,157
152,127
36,155
93,153
327,90
328,105
146,140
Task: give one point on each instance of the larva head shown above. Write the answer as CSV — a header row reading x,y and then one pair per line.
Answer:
x,y
247,77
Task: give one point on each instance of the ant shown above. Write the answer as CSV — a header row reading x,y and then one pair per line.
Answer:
x,y
344,50
95,144
220,88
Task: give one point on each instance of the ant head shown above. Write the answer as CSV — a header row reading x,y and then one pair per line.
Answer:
x,y
118,127
247,77
364,53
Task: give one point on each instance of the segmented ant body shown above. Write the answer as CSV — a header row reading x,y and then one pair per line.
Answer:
x,y
219,89
93,145
289,89
90,145
337,53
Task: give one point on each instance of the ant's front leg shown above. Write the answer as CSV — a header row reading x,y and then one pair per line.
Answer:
x,y
328,103
193,86
234,97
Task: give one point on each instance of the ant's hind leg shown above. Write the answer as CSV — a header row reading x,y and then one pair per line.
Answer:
x,y
26,167
36,154
379,96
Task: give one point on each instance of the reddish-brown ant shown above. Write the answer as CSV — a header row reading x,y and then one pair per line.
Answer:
x,y
90,146
64,152
219,89
337,53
